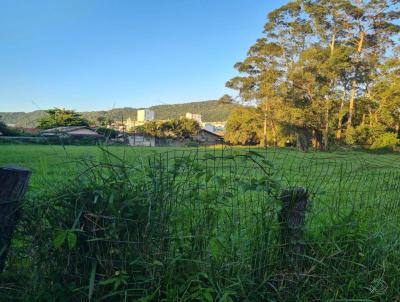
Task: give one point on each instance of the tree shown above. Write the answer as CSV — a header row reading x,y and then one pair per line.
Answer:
x,y
7,131
244,126
107,132
384,96
180,128
61,118
183,127
104,121
151,128
316,56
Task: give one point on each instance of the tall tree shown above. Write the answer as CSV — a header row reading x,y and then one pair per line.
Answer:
x,y
316,56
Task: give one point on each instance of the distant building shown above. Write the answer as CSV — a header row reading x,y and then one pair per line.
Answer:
x,y
145,115
130,124
192,116
218,126
209,127
206,137
71,131
139,139
31,131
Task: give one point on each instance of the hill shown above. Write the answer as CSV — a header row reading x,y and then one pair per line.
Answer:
x,y
211,111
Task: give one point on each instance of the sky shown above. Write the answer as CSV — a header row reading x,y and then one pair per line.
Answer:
x,y
96,55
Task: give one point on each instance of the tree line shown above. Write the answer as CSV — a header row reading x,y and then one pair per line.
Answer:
x,y
324,71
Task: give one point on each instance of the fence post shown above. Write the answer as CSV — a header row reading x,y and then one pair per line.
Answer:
x,y
292,220
13,185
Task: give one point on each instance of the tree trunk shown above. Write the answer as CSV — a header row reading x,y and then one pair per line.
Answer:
x,y
265,130
351,103
370,116
354,83
274,134
302,140
326,130
314,140
13,185
339,129
333,42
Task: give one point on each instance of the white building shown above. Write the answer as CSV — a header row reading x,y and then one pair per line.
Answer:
x,y
145,115
130,124
141,140
192,116
209,127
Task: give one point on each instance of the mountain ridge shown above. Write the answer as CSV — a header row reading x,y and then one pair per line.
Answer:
x,y
211,111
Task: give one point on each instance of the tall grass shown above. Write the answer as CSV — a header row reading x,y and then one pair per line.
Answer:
x,y
202,226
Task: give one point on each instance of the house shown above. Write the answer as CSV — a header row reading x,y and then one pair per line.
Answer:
x,y
72,132
206,137
139,139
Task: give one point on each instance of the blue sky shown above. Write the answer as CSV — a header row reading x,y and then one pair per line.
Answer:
x,y
95,54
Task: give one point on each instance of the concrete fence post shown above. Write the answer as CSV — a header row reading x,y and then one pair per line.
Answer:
x,y
13,185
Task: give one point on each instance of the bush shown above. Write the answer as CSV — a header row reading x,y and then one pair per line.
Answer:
x,y
107,132
387,140
7,131
364,135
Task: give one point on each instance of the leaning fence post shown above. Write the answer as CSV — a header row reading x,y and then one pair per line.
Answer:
x,y
292,220
13,185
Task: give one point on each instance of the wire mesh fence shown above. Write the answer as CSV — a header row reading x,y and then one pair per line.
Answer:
x,y
201,224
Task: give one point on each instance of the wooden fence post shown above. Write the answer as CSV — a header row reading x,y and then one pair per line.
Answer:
x,y
13,185
292,221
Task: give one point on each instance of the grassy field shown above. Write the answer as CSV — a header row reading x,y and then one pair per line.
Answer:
x,y
49,163
201,225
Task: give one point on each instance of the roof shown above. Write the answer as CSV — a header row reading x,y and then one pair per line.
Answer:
x,y
211,133
64,129
72,131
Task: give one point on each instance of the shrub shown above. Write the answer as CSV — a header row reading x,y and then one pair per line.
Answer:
x,y
7,131
386,141
364,135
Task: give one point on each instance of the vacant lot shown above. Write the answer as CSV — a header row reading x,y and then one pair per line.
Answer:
x,y
51,163
201,225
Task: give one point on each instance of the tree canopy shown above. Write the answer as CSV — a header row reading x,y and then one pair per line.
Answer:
x,y
179,128
324,67
61,118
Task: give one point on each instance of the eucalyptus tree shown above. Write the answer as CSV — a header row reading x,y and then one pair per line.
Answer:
x,y
316,56
262,78
385,94
372,34
264,71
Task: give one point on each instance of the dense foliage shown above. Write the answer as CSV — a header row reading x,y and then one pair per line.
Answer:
x,y
61,118
323,69
7,131
107,132
179,128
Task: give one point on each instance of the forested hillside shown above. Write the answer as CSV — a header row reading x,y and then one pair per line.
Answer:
x,y
211,111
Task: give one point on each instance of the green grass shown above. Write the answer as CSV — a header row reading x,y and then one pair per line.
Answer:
x,y
52,163
206,220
